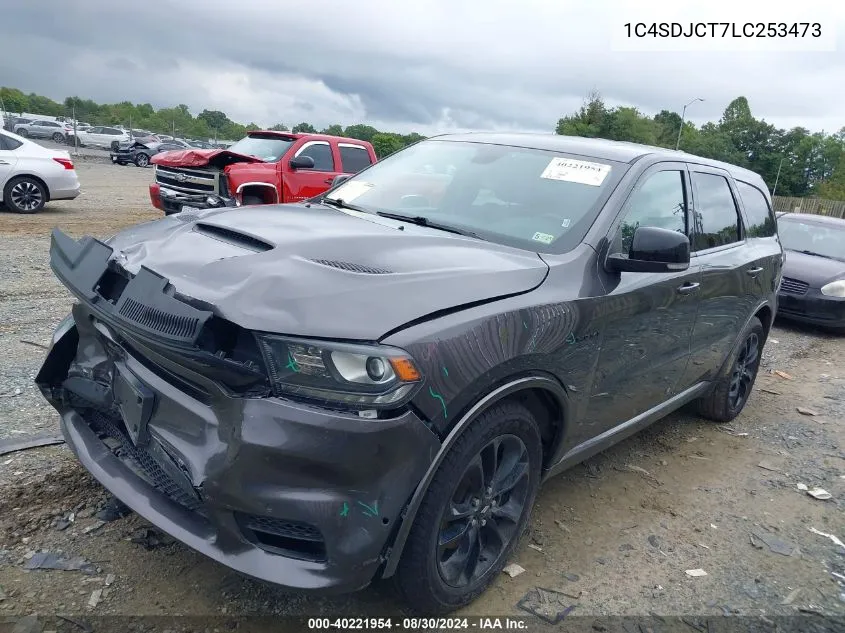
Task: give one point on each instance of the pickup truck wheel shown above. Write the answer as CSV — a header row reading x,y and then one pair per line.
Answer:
x,y
733,388
474,512
248,200
142,160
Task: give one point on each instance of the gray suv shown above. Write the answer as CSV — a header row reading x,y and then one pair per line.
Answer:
x,y
375,382
41,128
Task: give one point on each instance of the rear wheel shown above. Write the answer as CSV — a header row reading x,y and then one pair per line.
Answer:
x,y
58,137
142,160
25,195
474,512
733,388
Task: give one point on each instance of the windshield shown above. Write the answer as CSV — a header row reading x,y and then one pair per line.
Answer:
x,y
528,198
268,148
827,241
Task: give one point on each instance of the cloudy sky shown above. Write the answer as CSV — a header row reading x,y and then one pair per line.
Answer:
x,y
426,65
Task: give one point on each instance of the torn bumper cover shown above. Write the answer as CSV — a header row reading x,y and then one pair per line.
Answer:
x,y
290,493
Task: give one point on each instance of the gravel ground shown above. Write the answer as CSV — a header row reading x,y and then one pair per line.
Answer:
x,y
614,536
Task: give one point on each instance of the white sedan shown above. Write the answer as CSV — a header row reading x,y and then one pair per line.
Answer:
x,y
32,175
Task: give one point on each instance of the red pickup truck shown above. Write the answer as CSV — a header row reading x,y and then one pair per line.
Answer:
x,y
265,167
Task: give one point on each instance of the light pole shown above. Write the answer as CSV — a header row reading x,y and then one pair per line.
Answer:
x,y
683,116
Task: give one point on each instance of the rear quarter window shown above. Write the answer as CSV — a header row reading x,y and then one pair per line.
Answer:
x,y
761,218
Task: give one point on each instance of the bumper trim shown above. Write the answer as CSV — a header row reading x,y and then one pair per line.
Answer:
x,y
192,529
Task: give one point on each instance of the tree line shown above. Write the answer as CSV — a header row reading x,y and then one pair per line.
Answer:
x,y
178,121
802,163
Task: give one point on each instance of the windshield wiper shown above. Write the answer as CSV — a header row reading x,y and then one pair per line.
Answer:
x,y
420,220
338,203
816,254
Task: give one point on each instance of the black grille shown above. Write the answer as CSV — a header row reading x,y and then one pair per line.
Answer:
x,y
158,320
353,268
793,286
143,461
279,527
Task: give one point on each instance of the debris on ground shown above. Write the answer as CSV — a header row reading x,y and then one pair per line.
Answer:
x,y
571,577
14,445
513,570
819,493
93,527
696,573
767,465
651,479
652,540
113,510
150,538
775,544
805,411
790,598
49,560
561,525
535,547
782,374
94,600
109,579
802,487
65,522
82,624
731,431
832,537
548,605
771,391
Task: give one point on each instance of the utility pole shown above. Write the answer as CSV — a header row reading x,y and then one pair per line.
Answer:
x,y
775,188
683,117
75,135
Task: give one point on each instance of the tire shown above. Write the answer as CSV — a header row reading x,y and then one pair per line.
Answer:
x,y
248,200
733,388
58,138
422,577
142,160
122,162
23,132
25,195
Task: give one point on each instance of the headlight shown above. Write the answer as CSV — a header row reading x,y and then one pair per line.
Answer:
x,y
355,375
834,288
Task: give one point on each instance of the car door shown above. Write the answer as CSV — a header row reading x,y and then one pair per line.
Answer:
x,y
646,319
307,183
720,249
8,158
765,252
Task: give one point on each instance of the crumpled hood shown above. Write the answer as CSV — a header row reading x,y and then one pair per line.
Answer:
x,y
315,271
201,157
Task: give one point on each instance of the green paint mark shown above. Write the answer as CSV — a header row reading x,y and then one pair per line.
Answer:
x,y
345,511
445,371
369,511
434,394
292,365
525,325
570,338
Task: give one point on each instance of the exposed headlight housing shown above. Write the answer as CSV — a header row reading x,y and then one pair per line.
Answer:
x,y
834,289
357,376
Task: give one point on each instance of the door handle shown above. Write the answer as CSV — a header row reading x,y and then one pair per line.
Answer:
x,y
753,272
688,288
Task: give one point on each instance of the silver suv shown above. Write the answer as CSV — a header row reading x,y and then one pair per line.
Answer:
x,y
41,128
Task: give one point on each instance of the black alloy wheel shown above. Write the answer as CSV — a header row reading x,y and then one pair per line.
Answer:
x,y
744,372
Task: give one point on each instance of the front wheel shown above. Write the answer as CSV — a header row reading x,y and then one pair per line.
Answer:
x,y
474,512
142,160
733,388
58,138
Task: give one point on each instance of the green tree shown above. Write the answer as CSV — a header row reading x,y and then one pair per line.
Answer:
x,y
361,132
280,127
385,144
304,128
333,130
214,119
15,100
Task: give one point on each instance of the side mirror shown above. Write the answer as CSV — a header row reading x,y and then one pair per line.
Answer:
x,y
339,179
653,250
302,162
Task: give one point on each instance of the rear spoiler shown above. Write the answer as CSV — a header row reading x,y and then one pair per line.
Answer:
x,y
146,306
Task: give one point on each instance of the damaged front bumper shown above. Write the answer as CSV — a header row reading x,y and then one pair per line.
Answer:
x,y
171,201
289,493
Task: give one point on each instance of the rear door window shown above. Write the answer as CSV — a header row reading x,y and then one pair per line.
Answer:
x,y
761,218
353,158
715,217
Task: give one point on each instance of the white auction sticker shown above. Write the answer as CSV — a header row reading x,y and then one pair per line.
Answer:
x,y
580,171
348,191
545,238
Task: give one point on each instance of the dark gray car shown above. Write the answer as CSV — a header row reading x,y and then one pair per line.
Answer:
x,y
375,383
140,151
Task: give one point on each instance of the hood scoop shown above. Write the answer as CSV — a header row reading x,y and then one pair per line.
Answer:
x,y
236,238
352,268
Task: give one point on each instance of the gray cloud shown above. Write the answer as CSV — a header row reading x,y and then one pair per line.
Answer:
x,y
429,65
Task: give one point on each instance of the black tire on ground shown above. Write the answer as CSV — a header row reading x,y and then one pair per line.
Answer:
x,y
24,194
58,137
142,160
732,389
248,200
454,519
